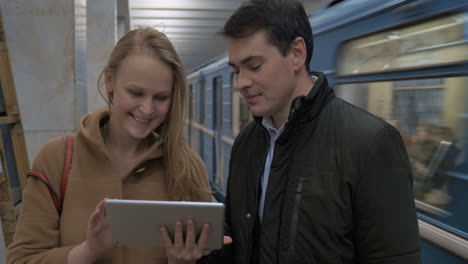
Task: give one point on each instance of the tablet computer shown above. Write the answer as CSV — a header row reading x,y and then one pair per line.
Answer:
x,y
138,222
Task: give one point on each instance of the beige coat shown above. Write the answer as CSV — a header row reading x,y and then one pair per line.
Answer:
x,y
44,237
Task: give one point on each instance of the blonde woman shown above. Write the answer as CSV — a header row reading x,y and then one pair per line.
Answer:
x,y
131,150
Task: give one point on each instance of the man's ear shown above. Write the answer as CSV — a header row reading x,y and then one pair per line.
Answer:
x,y
299,53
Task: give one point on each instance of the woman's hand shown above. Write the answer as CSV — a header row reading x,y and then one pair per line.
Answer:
x,y
98,241
187,252
99,237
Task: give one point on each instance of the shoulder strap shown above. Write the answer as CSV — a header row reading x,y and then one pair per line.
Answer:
x,y
66,167
63,185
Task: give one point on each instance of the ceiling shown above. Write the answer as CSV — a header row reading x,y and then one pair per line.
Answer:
x,y
192,25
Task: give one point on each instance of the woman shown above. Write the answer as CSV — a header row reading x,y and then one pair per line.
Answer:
x,y
131,150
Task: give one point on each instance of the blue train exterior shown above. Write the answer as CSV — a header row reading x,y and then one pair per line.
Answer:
x,y
404,61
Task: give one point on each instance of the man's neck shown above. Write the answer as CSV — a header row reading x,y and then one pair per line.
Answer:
x,y
304,86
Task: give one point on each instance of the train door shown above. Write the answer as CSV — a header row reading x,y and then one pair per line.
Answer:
x,y
217,127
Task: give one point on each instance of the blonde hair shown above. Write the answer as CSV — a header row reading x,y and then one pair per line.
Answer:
x,y
182,172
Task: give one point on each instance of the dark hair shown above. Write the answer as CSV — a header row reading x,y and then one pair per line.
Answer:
x,y
283,21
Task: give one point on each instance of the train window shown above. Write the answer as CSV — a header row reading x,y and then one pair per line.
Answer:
x,y
432,118
437,41
201,102
240,110
195,103
217,103
206,106
188,105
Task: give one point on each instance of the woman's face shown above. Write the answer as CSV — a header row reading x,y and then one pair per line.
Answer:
x,y
142,95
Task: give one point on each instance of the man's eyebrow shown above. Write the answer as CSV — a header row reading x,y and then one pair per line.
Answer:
x,y
250,58
246,60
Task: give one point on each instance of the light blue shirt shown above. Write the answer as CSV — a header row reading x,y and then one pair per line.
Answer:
x,y
274,134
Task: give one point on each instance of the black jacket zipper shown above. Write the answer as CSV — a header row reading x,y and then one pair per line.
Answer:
x,y
295,215
254,214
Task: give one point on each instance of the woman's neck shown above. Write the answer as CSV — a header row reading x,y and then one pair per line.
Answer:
x,y
119,143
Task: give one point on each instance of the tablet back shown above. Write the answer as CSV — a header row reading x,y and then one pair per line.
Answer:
x,y
138,222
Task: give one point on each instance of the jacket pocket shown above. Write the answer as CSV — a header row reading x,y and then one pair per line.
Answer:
x,y
319,218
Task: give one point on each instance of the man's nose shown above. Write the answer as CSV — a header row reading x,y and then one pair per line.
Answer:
x,y
243,81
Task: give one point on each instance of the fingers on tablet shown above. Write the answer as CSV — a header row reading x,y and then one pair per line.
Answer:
x,y
190,238
202,241
165,235
178,234
227,240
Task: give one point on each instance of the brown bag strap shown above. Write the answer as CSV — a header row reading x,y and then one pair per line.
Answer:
x,y
66,170
66,166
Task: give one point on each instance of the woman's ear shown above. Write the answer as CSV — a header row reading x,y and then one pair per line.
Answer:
x,y
299,53
109,82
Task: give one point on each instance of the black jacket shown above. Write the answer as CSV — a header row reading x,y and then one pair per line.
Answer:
x,y
339,190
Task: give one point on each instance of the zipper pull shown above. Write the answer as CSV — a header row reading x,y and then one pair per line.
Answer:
x,y
299,185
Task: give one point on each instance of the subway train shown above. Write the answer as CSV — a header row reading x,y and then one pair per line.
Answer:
x,y
405,61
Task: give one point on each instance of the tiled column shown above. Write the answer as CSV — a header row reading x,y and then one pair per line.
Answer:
x,y
46,43
102,32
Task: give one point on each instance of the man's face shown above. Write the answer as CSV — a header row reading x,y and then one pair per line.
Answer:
x,y
265,78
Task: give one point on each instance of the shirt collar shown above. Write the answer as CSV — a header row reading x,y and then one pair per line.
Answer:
x,y
268,124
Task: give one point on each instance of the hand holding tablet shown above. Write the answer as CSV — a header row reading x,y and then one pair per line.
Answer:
x,y
189,249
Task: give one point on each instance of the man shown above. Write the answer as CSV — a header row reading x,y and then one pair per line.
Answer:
x,y
312,179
